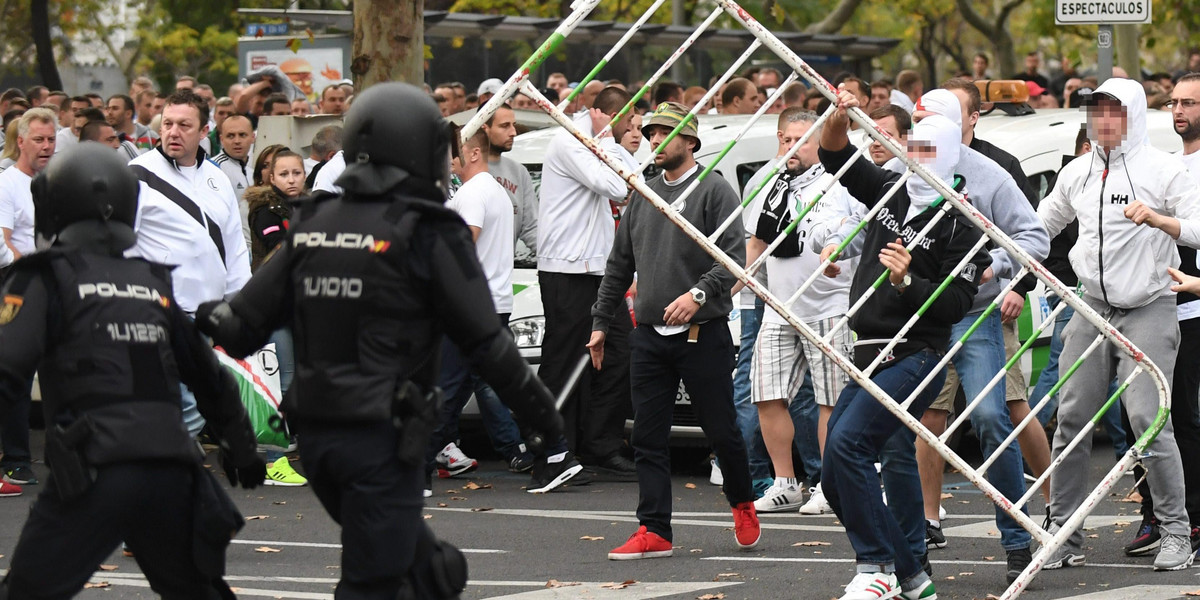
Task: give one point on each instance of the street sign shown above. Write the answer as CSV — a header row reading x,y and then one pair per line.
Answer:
x,y
1101,12
265,29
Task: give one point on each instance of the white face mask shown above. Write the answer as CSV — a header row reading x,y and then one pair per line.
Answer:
x,y
945,137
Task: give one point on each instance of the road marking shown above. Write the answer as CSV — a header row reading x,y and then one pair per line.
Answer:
x,y
338,546
973,563
988,529
1141,592
140,582
628,517
638,591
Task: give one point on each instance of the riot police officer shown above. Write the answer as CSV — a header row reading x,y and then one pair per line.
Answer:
x,y
112,347
370,281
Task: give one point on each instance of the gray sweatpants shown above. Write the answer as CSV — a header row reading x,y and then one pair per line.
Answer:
x,y
1154,328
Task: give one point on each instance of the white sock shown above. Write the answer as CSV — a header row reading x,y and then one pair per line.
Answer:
x,y
936,523
556,458
786,481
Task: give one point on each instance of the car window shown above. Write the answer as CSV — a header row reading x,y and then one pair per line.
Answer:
x,y
1042,182
747,170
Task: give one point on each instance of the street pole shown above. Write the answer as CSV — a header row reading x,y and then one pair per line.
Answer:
x,y
678,71
1104,42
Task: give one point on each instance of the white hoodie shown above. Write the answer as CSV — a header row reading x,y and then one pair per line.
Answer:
x,y
575,222
1119,263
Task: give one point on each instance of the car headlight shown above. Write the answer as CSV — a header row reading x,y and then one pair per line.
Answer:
x,y
528,331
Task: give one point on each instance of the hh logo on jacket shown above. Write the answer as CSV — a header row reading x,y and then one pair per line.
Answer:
x,y
1119,199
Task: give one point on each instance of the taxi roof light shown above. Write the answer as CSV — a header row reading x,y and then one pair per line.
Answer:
x,y
1006,91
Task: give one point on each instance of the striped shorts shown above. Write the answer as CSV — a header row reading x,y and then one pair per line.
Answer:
x,y
782,355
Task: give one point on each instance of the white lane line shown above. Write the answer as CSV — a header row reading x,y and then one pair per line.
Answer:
x,y
988,529
314,580
1141,592
338,546
972,563
240,591
637,591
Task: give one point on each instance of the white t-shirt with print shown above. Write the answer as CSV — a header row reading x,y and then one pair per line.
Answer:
x,y
16,208
483,203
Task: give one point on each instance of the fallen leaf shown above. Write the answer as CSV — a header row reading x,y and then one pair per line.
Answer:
x,y
457,498
554,583
471,485
949,578
102,584
591,538
481,509
618,586
1192,593
816,551
257,517
293,45
717,596
946,496
442,505
721,576
312,38
102,567
989,558
1118,531
1094,535
812,544
992,597
266,549
690,486
966,574
964,501
279,503
695,550
427,517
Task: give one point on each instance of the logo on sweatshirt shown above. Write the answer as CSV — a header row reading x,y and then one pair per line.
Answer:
x,y
968,272
1119,199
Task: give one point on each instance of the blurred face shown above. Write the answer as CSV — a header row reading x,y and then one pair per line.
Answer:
x,y
768,79
77,123
159,104
145,109
502,131
1185,110
523,102
675,154
1106,123
556,82
968,119
979,65
288,176
922,151
806,156
280,109
116,114
633,138
37,146
878,154
864,96
622,127
108,137
237,137
185,84
879,98
334,101
1032,63
223,112
750,102
208,96
181,133
74,109
300,107
265,174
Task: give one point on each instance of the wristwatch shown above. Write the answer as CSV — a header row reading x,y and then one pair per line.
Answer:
x,y
904,283
698,296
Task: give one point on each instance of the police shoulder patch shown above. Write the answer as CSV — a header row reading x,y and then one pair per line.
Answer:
x,y
10,308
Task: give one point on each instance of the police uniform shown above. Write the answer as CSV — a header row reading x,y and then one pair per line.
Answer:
x,y
112,348
370,282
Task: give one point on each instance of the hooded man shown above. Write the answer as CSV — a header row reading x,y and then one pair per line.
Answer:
x,y
860,427
1133,202
995,194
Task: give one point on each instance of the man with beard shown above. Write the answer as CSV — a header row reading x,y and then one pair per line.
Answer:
x,y
682,309
782,355
512,176
1185,108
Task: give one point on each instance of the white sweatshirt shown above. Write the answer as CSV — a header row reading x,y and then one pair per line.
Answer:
x,y
575,222
1118,262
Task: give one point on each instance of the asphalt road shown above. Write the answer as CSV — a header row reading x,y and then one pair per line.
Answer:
x,y
517,543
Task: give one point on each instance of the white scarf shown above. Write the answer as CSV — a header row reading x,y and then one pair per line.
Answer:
x,y
946,138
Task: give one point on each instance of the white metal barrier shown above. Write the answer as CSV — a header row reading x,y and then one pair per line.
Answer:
x,y
1049,543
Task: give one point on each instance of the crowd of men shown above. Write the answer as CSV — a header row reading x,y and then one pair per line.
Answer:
x,y
625,292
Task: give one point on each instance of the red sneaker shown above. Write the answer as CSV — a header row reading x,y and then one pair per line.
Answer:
x,y
745,526
642,544
9,489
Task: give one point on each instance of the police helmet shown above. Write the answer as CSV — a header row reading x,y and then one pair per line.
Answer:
x,y
86,188
398,125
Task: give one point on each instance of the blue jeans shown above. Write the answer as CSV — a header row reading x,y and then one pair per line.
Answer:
x,y
980,358
859,429
1112,418
902,482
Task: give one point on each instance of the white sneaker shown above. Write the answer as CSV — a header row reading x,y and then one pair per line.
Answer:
x,y
716,477
780,498
872,586
941,513
451,461
817,504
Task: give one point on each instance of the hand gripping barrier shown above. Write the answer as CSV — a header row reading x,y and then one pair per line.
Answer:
x,y
1048,540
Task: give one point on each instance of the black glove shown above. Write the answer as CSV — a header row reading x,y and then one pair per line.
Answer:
x,y
206,322
250,475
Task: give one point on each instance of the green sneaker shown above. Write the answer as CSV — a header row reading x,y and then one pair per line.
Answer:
x,y
924,591
281,472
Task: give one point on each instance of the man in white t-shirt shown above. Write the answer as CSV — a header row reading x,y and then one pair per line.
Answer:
x,y
35,137
484,205
782,355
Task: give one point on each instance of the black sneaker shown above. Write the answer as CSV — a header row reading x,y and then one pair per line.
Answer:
x,y
1195,537
1147,538
521,463
1017,561
925,566
933,536
20,476
428,491
550,475
615,468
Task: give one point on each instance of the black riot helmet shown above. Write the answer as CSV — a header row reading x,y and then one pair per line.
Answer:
x,y
86,195
394,137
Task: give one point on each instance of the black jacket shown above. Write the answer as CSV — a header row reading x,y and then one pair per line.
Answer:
x,y
886,312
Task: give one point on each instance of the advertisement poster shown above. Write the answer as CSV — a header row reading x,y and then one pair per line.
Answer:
x,y
311,69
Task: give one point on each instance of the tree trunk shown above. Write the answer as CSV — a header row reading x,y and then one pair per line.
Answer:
x,y
995,30
1006,59
40,25
925,49
1126,44
836,19
389,42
